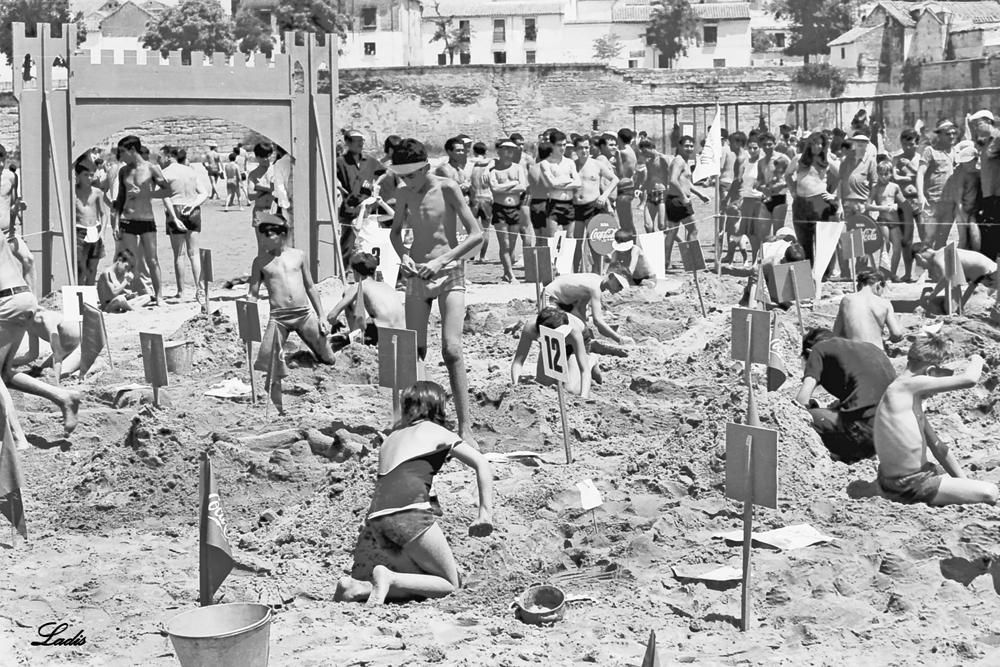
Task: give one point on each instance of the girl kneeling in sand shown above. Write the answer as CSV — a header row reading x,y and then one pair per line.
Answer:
x,y
402,551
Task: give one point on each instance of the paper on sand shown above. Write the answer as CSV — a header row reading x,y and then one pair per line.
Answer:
x,y
703,573
590,497
231,388
798,536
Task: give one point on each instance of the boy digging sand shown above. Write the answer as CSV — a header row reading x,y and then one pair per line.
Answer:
x,y
379,301
903,435
295,303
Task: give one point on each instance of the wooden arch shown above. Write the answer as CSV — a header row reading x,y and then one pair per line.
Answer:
x,y
61,120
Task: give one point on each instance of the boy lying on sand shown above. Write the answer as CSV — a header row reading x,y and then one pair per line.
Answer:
x,y
903,435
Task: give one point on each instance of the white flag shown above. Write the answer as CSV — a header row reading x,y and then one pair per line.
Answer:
x,y
708,162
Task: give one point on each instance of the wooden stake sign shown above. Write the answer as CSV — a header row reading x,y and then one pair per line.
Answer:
x,y
538,269
154,362
248,319
954,277
793,282
694,261
74,299
553,342
207,276
397,361
751,344
852,246
93,338
590,499
752,478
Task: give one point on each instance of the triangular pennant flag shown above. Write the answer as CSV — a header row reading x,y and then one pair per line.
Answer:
x,y
11,504
215,556
761,292
776,371
92,340
652,658
709,159
652,247
827,237
564,260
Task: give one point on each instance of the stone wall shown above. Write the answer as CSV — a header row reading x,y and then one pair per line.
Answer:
x,y
8,122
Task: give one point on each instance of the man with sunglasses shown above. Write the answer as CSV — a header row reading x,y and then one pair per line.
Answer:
x,y
434,265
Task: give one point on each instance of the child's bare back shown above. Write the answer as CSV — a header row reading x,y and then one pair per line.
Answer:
x,y
899,424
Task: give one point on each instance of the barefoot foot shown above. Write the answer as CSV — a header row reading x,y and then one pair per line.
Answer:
x,y
70,408
352,590
381,581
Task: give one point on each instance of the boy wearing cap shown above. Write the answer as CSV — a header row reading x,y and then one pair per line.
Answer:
x,y
961,198
508,183
936,164
433,207
627,255
356,174
379,301
295,301
977,267
574,292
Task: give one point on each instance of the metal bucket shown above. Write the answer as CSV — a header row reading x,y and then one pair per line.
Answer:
x,y
179,355
222,635
541,605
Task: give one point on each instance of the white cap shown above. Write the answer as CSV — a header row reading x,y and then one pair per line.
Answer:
x,y
785,231
624,246
965,151
984,114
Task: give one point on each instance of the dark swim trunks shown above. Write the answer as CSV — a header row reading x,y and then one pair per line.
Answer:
x,y
656,196
585,212
678,210
538,213
561,211
918,487
137,227
506,215
191,221
774,202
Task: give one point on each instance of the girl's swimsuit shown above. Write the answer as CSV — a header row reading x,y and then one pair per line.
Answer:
x,y
401,510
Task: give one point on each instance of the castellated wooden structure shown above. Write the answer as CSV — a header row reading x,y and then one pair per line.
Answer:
x,y
279,98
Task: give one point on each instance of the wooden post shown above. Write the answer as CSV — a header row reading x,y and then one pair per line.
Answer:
x,y
798,306
565,424
204,581
746,606
59,171
697,288
253,381
275,346
854,274
395,379
720,225
752,418
338,261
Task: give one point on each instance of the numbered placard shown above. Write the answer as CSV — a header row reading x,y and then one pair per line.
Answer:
x,y
154,358
692,256
207,274
852,244
553,342
758,333
538,264
71,298
397,357
784,274
764,464
590,496
953,270
248,318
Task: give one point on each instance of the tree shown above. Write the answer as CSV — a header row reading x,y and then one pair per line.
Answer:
x,y
608,47
761,41
455,37
317,16
31,13
194,25
672,26
815,23
252,33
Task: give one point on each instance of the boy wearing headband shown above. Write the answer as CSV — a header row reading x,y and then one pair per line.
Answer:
x,y
434,266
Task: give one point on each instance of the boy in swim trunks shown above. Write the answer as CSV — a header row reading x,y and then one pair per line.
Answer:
x,y
379,301
977,267
113,285
538,194
295,302
679,190
433,267
90,216
574,292
631,259
903,435
577,343
558,174
653,180
507,182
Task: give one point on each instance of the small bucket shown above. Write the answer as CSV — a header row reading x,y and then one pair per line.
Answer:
x,y
222,635
179,354
541,605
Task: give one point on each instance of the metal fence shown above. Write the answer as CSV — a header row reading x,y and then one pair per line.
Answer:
x,y
888,113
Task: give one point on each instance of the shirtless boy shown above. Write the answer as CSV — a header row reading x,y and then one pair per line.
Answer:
x,y
114,291
433,207
863,316
574,292
18,307
507,182
379,301
654,182
559,175
597,181
90,217
679,190
538,195
10,207
903,435
579,369
213,165
260,188
977,267
295,301
625,168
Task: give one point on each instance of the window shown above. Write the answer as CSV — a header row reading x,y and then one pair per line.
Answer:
x,y
662,61
464,31
632,64
369,18
843,53
499,31
442,59
529,57
779,40
530,30
710,34
499,57
464,57
718,62
369,48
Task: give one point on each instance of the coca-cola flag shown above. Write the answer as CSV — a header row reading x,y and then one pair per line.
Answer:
x,y
651,658
776,371
215,556
11,505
